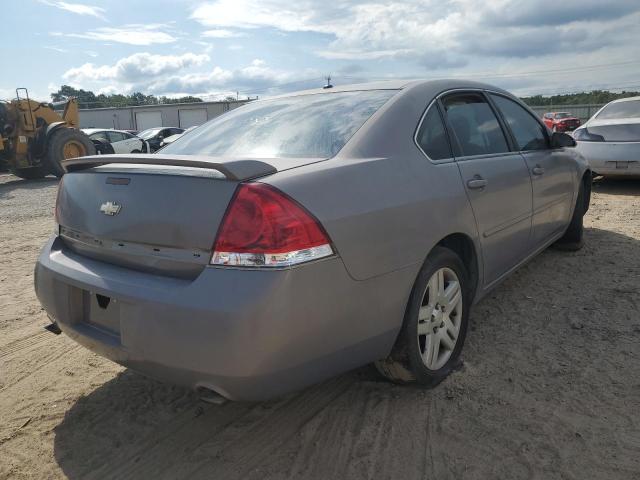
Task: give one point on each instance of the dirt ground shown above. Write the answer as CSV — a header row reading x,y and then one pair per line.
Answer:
x,y
550,386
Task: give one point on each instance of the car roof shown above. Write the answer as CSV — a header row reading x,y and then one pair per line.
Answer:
x,y
90,131
427,86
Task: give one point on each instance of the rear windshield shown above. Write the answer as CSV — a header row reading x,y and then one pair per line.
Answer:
x,y
148,133
298,126
628,109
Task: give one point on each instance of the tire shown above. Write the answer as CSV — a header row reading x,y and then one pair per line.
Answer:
x,y
136,151
66,143
573,238
410,361
31,173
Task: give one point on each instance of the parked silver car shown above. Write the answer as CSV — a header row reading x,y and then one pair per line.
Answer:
x,y
298,237
610,140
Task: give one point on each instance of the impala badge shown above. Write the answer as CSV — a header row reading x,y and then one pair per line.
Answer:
x,y
110,208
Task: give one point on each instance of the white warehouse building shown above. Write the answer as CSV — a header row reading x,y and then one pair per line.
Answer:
x,y
183,115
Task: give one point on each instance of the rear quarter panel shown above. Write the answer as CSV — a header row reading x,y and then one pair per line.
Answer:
x,y
382,202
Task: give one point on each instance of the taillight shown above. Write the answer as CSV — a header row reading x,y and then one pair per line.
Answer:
x,y
263,227
584,135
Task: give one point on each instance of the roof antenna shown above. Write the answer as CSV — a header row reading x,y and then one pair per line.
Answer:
x,y
328,85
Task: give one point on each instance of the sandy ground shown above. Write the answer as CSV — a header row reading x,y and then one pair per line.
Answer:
x,y
550,386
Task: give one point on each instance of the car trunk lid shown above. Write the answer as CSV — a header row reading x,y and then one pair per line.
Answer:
x,y
616,130
150,212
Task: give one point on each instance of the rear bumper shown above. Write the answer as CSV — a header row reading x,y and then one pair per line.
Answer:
x,y
566,128
247,334
610,158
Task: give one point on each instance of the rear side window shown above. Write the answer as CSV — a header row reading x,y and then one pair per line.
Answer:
x,y
528,133
315,125
474,125
432,137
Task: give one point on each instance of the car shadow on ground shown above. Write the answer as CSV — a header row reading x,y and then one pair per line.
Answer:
x,y
617,186
15,183
527,392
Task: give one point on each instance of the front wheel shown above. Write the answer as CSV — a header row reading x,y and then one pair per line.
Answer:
x,y
66,143
435,323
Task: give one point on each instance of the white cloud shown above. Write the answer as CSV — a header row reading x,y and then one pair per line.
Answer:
x,y
134,68
132,34
421,29
220,33
77,8
56,49
174,75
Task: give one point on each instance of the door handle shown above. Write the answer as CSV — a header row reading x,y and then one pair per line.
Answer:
x,y
537,170
477,183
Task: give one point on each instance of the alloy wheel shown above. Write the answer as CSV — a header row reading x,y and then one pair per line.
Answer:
x,y
439,318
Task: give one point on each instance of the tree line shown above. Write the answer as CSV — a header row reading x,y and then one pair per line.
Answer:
x,y
88,99
599,97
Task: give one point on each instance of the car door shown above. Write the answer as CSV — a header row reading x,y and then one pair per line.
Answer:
x,y
551,170
118,142
133,143
496,180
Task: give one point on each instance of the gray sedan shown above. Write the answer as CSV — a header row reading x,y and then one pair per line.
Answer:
x,y
610,140
301,236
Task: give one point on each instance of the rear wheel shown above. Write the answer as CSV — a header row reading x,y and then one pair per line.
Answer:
x,y
573,238
435,323
31,172
66,143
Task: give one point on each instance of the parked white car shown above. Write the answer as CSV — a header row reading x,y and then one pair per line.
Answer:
x,y
115,141
610,140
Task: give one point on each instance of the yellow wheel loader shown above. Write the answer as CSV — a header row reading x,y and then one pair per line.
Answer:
x,y
34,137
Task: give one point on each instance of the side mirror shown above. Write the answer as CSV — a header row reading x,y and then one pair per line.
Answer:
x,y
559,140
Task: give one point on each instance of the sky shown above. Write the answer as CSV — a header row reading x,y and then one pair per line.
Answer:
x,y
265,47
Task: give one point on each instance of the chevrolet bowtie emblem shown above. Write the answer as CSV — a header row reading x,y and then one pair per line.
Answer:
x,y
110,208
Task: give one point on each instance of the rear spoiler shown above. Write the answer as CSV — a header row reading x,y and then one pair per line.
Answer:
x,y
237,170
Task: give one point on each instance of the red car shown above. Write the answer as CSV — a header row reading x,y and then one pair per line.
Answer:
x,y
560,121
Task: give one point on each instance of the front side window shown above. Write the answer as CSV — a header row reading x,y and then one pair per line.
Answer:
x,y
115,137
626,109
316,125
432,137
99,136
528,133
474,124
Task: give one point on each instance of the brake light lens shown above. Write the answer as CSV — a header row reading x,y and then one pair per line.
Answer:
x,y
263,227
